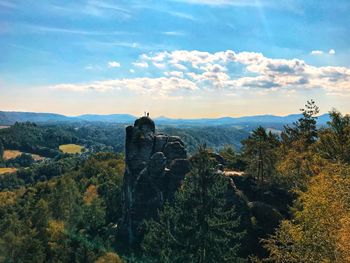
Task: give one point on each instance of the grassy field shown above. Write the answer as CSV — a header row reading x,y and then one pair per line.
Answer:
x,y
7,170
11,154
71,148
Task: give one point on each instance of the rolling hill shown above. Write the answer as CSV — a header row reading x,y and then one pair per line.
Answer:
x,y
9,118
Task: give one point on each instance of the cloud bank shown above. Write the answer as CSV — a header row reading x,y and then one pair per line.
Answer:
x,y
226,70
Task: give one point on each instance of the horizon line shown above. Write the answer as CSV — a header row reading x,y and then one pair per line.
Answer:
x,y
160,116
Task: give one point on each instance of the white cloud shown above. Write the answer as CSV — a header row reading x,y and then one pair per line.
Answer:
x,y
159,65
159,86
225,70
140,64
211,69
132,70
113,64
174,33
177,74
316,52
180,67
320,52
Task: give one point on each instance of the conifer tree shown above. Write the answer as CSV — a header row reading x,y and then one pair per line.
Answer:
x,y
296,151
335,139
304,129
199,226
259,150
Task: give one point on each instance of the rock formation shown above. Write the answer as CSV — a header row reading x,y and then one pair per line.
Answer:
x,y
155,167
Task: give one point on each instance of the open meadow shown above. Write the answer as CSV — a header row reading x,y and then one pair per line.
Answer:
x,y
11,154
71,148
7,170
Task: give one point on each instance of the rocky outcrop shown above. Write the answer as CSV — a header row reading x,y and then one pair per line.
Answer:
x,y
156,164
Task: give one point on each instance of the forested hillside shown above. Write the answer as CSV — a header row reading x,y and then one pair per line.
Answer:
x,y
281,198
45,139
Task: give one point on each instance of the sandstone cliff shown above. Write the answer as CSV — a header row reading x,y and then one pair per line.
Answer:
x,y
155,167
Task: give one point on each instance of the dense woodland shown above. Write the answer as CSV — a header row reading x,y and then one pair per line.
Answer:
x,y
45,139
292,204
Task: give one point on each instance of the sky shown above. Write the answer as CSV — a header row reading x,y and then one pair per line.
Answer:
x,y
174,58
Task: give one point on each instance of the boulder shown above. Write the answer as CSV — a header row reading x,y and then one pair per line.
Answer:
x,y
174,150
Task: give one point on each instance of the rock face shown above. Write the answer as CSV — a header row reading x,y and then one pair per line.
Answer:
x,y
155,166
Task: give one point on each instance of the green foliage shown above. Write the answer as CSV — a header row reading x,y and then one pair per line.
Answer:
x,y
54,221
24,160
103,137
296,154
318,171
66,201
28,137
304,129
319,231
259,150
67,208
215,138
46,139
18,242
38,172
198,226
233,161
335,139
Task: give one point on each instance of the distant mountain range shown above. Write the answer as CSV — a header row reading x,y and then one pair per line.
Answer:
x,y
9,118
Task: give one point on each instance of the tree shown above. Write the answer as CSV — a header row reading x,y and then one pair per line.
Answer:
x,y
66,201
319,230
259,150
40,220
18,242
24,160
198,226
93,216
335,139
305,128
232,159
297,157
58,242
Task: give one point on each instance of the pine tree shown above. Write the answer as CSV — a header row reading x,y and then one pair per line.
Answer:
x,y
304,129
335,140
259,150
233,160
296,151
199,226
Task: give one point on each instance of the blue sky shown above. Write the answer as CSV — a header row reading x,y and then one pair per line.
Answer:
x,y
180,58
